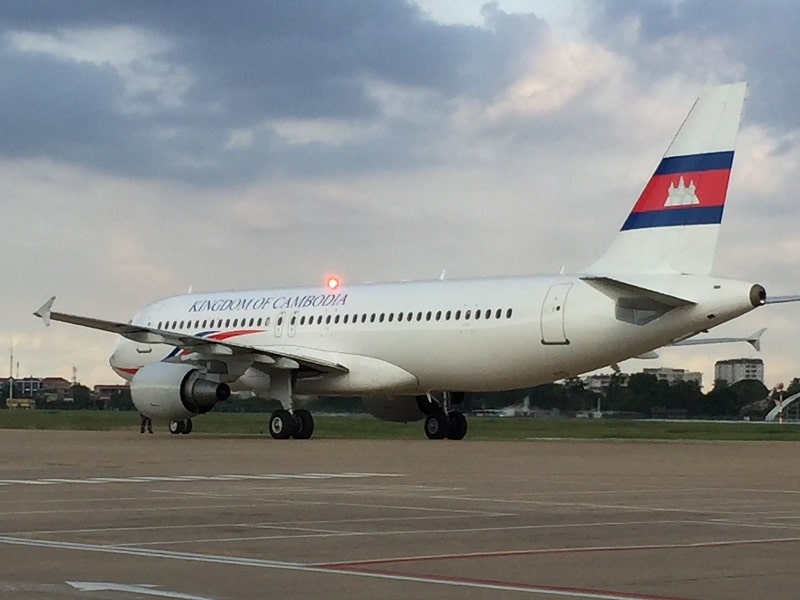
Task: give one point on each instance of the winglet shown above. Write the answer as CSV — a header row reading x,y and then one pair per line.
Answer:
x,y
44,312
754,339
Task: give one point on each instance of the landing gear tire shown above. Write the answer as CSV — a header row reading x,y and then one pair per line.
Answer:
x,y
282,424
458,426
305,424
436,426
184,427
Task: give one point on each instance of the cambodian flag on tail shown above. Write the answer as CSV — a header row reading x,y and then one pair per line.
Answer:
x,y
684,190
674,224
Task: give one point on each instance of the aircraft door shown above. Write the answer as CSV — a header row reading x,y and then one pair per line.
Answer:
x,y
552,320
292,325
279,324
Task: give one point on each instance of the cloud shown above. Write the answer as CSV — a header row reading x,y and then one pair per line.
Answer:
x,y
189,91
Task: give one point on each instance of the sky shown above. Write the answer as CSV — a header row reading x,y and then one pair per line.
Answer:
x,y
149,148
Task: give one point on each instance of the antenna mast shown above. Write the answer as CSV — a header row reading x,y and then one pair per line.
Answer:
x,y
11,371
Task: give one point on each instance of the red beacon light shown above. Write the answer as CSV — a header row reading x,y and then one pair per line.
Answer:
x,y
332,283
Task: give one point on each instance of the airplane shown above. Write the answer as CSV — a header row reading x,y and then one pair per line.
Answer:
x,y
413,349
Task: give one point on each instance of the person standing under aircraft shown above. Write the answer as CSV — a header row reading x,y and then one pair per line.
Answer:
x,y
147,422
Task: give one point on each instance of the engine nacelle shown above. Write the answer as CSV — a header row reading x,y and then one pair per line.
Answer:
x,y
403,409
172,391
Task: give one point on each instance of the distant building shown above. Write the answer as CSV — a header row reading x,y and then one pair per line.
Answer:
x,y
737,369
105,391
672,376
600,382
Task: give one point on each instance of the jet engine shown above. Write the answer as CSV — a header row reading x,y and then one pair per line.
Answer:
x,y
174,391
402,409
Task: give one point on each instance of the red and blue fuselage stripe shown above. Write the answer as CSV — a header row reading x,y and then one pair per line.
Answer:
x,y
707,174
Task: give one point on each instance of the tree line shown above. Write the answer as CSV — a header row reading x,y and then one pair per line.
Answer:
x,y
637,395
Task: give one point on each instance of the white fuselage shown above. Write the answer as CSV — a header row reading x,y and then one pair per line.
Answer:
x,y
417,337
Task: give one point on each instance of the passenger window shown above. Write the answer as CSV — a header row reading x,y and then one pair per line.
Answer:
x,y
399,317
428,316
258,322
328,320
364,318
251,322
266,322
419,316
280,321
181,327
235,322
159,325
467,314
391,317
372,318
346,318
438,315
498,313
319,320
488,314
410,316
508,314
458,315
447,315
293,320
336,319
477,315
227,323
383,315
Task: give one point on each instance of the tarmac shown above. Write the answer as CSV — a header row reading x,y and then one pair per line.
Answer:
x,y
119,515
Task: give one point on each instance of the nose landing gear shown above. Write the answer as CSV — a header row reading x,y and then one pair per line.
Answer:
x,y
442,421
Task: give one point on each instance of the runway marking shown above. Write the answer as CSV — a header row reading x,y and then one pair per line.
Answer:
x,y
244,525
552,551
466,582
180,478
416,532
594,505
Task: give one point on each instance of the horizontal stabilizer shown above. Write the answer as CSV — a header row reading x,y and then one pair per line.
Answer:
x,y
617,289
754,339
635,304
781,299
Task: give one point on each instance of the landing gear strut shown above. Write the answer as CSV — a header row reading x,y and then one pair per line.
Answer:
x,y
288,422
184,427
442,421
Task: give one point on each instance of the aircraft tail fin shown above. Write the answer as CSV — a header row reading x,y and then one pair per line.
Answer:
x,y
674,224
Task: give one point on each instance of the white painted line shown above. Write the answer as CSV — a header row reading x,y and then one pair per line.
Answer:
x,y
141,590
25,482
183,478
291,566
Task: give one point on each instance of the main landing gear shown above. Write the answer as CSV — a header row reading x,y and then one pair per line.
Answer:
x,y
288,422
184,426
441,421
298,424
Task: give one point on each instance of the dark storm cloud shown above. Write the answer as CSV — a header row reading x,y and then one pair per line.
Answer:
x,y
247,63
760,35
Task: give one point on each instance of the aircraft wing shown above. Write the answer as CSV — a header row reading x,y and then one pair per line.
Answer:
x,y
204,347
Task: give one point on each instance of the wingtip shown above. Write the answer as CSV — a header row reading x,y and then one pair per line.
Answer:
x,y
44,311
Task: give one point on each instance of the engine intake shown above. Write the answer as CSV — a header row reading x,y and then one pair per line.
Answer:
x,y
174,391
